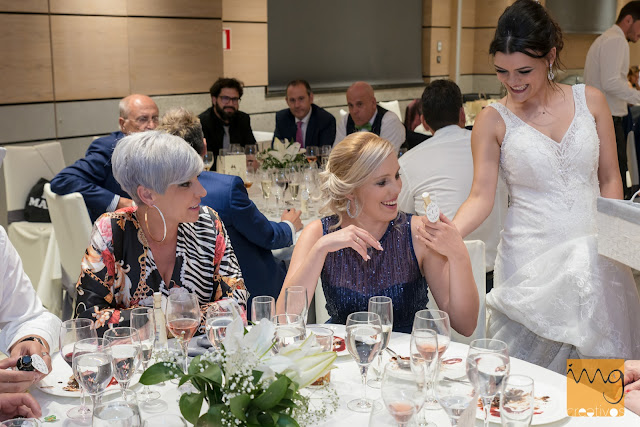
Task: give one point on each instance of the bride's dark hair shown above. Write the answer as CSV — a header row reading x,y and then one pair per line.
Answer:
x,y
526,27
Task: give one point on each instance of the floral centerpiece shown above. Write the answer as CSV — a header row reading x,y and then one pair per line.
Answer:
x,y
282,155
244,383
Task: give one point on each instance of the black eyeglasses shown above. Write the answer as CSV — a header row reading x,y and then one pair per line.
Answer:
x,y
228,99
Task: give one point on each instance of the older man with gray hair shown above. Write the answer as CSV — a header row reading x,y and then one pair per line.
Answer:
x,y
91,176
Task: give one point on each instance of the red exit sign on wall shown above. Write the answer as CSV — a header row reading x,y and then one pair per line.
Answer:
x,y
226,39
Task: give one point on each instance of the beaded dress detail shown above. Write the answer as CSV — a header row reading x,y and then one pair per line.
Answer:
x,y
349,281
554,297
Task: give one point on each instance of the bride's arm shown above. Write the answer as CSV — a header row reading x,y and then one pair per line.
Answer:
x,y
608,169
486,161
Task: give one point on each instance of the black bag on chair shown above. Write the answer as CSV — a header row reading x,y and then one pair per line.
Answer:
x,y
36,209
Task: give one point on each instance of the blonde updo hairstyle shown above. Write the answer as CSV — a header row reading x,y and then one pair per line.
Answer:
x,y
351,163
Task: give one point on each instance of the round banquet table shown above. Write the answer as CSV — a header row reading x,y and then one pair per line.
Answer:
x,y
347,382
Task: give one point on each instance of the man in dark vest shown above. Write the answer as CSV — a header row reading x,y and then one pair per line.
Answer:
x,y
223,124
304,121
366,115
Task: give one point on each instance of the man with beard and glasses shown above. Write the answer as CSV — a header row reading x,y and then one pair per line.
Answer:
x,y
223,124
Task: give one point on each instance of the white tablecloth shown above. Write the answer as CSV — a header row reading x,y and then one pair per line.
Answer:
x,y
346,379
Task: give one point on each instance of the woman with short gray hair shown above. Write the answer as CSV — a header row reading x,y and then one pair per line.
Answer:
x,y
168,243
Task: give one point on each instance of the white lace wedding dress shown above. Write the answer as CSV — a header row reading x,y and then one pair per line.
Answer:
x,y
554,296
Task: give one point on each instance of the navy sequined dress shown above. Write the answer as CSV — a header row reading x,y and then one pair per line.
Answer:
x,y
349,281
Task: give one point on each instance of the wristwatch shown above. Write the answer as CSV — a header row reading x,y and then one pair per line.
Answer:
x,y
33,339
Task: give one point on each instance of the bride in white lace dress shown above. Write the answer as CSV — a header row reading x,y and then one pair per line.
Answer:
x,y
554,297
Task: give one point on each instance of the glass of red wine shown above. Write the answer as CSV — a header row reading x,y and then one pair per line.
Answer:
x,y
183,319
71,332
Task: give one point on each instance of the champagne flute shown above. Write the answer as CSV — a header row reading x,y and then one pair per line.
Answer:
x,y
71,332
294,185
207,159
364,340
424,351
438,321
125,350
289,329
325,151
262,307
219,316
92,366
183,319
517,401
265,186
383,307
455,396
487,365
403,390
122,412
296,301
143,321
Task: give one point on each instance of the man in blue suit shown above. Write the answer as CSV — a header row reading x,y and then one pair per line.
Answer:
x,y
252,235
91,176
304,121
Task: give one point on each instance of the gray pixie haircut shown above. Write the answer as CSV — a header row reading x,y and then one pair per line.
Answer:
x,y
154,160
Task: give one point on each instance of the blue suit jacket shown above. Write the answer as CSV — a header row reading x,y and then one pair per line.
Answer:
x,y
252,235
321,129
92,176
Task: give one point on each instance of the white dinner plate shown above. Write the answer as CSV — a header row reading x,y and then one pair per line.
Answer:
x,y
60,375
339,331
551,405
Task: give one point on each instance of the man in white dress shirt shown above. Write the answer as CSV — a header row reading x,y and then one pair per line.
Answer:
x,y
606,68
366,115
443,166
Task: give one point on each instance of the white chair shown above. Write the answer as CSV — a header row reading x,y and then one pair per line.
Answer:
x,y
476,250
633,176
22,168
393,106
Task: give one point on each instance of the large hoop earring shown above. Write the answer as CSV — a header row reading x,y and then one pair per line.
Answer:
x,y
550,74
164,224
355,202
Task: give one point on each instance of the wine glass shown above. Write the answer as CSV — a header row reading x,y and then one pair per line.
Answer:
x,y
281,179
289,329
517,401
325,151
403,390
364,340
235,149
219,315
183,319
92,365
383,307
311,154
424,351
121,412
265,186
487,365
438,321
143,321
125,350
262,307
296,301
71,332
207,159
455,396
250,150
249,177
294,185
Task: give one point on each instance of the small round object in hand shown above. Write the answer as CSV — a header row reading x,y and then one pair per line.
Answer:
x,y
32,363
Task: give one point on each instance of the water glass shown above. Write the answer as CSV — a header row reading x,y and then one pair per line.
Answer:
x,y
92,365
21,422
219,315
456,396
290,328
364,340
262,307
403,390
143,321
324,339
296,301
383,307
125,350
122,412
487,365
517,401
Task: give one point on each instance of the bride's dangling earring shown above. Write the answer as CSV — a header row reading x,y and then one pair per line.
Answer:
x,y
550,74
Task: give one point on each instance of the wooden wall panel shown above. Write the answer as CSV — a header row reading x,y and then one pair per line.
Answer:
x,y
468,13
482,61
36,6
248,58
171,56
488,12
26,59
89,7
173,8
90,57
575,49
436,13
245,10
466,51
430,38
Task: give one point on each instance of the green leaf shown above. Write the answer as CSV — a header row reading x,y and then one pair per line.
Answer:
x,y
159,373
212,418
271,396
239,405
266,419
212,373
287,403
194,366
190,406
286,420
256,376
184,379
